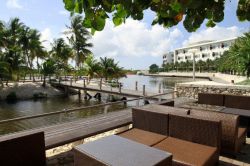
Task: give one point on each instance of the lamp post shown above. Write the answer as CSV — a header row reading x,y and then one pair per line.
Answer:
x,y
193,51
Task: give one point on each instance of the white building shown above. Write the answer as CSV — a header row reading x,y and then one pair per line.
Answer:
x,y
168,58
205,50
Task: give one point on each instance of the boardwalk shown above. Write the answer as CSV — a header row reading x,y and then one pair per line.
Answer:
x,y
64,133
108,89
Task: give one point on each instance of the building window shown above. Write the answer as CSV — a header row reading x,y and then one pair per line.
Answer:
x,y
200,48
211,47
184,51
222,45
176,52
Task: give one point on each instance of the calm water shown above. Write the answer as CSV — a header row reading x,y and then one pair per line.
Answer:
x,y
31,107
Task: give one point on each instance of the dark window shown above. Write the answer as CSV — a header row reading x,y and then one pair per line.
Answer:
x,y
200,48
222,45
211,47
184,51
213,54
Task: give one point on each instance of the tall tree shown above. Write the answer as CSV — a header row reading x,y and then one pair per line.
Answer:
x,y
78,38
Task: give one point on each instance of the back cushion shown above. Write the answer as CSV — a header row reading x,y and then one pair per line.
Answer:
x,y
229,124
25,150
150,121
211,99
195,130
241,102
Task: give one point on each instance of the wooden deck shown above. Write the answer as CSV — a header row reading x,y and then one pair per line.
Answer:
x,y
107,89
64,133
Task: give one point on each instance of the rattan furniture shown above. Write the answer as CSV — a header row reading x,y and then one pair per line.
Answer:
x,y
117,151
27,150
191,140
233,137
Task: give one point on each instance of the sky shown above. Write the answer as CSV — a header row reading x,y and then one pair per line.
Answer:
x,y
135,45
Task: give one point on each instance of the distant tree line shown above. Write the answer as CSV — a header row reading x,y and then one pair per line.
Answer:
x,y
22,54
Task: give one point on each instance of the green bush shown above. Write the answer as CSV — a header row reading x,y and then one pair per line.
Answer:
x,y
11,96
39,95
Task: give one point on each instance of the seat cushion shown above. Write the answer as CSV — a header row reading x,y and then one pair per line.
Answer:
x,y
142,136
189,153
241,131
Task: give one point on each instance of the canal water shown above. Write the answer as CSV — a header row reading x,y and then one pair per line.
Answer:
x,y
32,107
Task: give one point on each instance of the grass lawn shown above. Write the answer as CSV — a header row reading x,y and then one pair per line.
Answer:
x,y
246,82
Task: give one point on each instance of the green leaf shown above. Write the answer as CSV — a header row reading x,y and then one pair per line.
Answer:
x,y
69,5
176,6
98,23
117,21
210,23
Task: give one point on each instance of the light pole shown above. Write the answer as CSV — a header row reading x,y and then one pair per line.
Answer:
x,y
193,51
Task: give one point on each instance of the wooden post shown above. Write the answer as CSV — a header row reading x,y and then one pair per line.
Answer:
x,y
137,103
71,81
143,90
173,95
59,80
84,83
159,98
106,109
160,88
136,85
101,84
120,87
79,95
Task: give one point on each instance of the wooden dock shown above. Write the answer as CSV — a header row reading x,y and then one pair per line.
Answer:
x,y
61,134
107,89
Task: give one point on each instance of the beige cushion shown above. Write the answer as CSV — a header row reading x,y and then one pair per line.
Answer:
x,y
188,152
142,136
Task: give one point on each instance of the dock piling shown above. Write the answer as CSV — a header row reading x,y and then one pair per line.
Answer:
x,y
120,87
159,88
136,85
143,90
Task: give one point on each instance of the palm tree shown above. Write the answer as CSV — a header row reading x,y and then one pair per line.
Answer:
x,y
110,69
48,68
61,52
91,67
78,39
4,71
239,53
31,46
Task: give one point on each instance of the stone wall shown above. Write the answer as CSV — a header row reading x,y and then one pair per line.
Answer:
x,y
192,90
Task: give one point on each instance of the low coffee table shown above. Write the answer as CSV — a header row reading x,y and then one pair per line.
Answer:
x,y
118,151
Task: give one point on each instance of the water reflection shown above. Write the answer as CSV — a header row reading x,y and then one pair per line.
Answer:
x,y
31,107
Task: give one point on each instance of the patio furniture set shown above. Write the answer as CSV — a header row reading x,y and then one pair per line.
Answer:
x,y
161,135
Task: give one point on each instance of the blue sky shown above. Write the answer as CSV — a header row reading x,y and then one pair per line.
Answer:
x,y
135,44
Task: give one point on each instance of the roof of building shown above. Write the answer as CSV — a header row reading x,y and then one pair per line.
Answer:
x,y
205,42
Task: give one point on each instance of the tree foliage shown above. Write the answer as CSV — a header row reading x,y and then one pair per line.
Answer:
x,y
237,59
154,68
168,12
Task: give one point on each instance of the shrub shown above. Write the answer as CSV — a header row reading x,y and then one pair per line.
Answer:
x,y
39,95
11,96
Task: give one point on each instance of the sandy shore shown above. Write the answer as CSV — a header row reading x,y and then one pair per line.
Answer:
x,y
27,90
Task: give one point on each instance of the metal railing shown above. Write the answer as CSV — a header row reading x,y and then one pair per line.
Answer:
x,y
78,109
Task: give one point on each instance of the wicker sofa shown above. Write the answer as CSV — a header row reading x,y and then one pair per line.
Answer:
x,y
233,137
191,140
24,150
240,103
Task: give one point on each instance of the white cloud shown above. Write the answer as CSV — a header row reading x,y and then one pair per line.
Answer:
x,y
64,13
216,33
134,39
46,38
13,4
